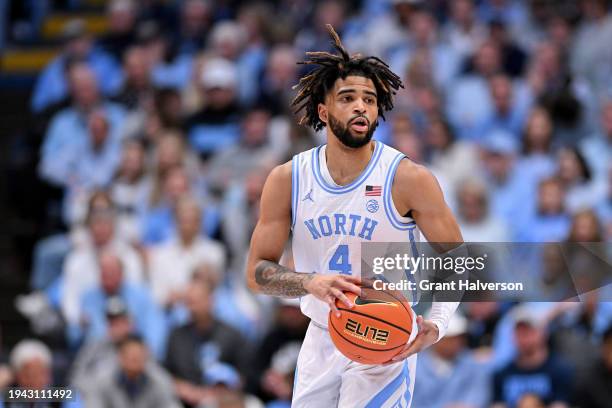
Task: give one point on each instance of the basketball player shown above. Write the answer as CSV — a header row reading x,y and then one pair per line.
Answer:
x,y
332,198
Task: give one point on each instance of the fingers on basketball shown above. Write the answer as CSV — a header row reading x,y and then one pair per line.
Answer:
x,y
348,287
340,295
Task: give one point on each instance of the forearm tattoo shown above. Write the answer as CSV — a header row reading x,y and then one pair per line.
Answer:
x,y
277,280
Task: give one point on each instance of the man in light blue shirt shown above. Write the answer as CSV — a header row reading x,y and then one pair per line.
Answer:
x,y
52,85
70,155
147,316
448,374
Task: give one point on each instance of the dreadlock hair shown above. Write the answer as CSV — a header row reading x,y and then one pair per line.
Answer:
x,y
314,86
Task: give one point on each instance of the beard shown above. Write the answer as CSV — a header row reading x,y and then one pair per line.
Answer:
x,y
344,135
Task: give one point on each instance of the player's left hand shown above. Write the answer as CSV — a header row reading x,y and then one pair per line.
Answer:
x,y
427,335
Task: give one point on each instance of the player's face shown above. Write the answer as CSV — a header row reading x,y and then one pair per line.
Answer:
x,y
351,110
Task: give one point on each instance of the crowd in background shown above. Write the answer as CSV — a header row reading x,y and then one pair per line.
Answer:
x,y
162,131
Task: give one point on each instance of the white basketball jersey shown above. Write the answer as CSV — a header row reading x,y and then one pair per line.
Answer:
x,y
330,222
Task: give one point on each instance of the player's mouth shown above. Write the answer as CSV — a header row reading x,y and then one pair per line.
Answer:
x,y
360,125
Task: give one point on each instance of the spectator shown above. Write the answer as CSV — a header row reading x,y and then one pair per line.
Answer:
x,y
443,62
121,16
52,86
149,321
454,160
172,263
548,221
229,40
279,76
510,12
536,161
468,100
81,267
170,151
168,106
556,282
593,390
262,143
51,252
477,222
597,148
136,90
512,56
31,361
585,227
131,190
134,382
215,126
463,32
577,179
590,54
568,98
67,135
404,138
241,207
87,167
387,31
508,113
158,223
204,349
313,35
535,369
578,327
273,364
449,374
195,19
506,188
483,317
96,355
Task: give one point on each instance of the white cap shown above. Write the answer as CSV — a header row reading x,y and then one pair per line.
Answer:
x,y
27,350
527,315
219,73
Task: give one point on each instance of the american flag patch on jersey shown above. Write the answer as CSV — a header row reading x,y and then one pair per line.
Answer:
x,y
373,191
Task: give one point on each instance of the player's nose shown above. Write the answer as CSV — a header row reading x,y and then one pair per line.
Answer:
x,y
359,106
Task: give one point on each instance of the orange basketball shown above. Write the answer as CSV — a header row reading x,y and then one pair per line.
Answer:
x,y
375,329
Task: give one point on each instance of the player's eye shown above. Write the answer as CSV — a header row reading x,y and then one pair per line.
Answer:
x,y
369,101
346,98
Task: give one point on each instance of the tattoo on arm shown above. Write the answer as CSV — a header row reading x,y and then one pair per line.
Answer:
x,y
277,280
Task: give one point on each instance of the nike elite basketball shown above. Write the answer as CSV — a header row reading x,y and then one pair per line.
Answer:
x,y
373,331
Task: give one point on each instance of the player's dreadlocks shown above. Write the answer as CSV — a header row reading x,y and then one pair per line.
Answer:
x,y
314,86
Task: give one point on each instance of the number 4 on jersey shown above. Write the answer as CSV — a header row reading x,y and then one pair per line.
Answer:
x,y
340,261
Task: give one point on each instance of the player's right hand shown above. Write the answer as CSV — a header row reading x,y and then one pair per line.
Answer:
x,y
328,288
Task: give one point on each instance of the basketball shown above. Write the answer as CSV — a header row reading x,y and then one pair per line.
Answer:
x,y
375,329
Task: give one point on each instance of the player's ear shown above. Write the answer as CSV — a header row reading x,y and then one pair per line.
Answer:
x,y
322,110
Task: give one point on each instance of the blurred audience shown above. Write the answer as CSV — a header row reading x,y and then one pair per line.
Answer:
x,y
134,382
536,370
155,138
148,318
172,264
594,388
205,351
53,84
449,374
81,268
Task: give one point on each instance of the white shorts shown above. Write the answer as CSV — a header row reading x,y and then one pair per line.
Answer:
x,y
326,379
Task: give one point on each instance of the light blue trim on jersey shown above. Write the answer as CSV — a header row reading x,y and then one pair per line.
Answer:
x,y
388,201
383,396
410,276
295,188
316,170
